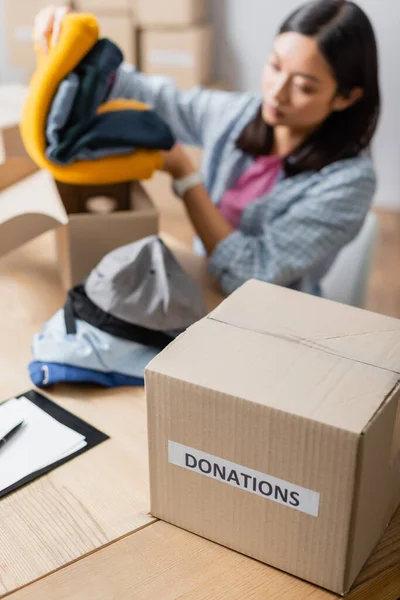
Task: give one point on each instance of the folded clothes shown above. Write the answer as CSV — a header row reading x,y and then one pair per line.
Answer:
x,y
79,306
60,109
90,348
80,94
45,374
141,282
78,98
78,37
74,129
96,73
57,120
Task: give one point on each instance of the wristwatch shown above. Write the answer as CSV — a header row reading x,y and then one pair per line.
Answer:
x,y
183,185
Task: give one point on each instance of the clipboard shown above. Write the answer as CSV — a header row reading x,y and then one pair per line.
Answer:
x,y
93,436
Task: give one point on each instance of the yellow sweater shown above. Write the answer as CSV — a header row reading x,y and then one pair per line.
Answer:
x,y
78,35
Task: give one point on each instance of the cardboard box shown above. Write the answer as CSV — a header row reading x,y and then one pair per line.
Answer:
x,y
19,20
274,430
108,6
184,54
12,98
14,161
175,13
15,169
88,237
33,206
120,29
29,208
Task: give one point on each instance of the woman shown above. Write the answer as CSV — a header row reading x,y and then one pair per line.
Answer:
x,y
286,178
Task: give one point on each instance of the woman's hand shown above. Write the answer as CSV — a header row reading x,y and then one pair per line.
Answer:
x,y
177,163
47,26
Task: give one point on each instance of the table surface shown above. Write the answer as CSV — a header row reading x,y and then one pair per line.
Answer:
x,y
84,530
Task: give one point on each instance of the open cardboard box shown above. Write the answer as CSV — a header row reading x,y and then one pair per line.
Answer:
x,y
274,430
14,169
33,206
88,237
15,164
28,209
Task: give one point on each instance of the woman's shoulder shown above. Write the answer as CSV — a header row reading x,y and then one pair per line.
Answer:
x,y
359,169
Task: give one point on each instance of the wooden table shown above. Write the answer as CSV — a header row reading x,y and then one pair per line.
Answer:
x,y
84,530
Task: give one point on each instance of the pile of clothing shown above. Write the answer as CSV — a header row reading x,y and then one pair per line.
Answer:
x,y
132,305
80,128
70,128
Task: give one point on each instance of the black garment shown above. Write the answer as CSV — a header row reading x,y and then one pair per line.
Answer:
x,y
79,306
125,129
95,71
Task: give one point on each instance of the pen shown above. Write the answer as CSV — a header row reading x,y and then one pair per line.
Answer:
x,y
10,434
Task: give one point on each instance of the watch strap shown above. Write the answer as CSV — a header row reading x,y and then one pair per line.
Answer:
x,y
183,185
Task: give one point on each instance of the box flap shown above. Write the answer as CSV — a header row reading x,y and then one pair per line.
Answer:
x,y
28,209
260,345
315,322
15,169
12,99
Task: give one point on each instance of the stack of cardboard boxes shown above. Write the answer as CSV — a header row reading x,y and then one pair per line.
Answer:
x,y
116,20
115,17
168,38
19,18
176,40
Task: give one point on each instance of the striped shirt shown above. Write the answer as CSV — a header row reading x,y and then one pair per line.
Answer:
x,y
290,236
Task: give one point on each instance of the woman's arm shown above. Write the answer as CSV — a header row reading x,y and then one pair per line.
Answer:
x,y
206,219
314,230
209,224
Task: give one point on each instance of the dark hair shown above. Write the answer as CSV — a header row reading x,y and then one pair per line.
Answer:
x,y
346,39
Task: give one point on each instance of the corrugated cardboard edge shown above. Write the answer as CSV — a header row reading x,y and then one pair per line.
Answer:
x,y
394,503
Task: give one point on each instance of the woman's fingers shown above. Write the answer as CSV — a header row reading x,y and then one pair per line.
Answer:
x,y
58,19
43,26
47,26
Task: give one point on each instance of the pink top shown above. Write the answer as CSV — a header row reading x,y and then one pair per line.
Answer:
x,y
258,180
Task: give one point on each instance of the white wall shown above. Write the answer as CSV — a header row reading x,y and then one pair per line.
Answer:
x,y
245,31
